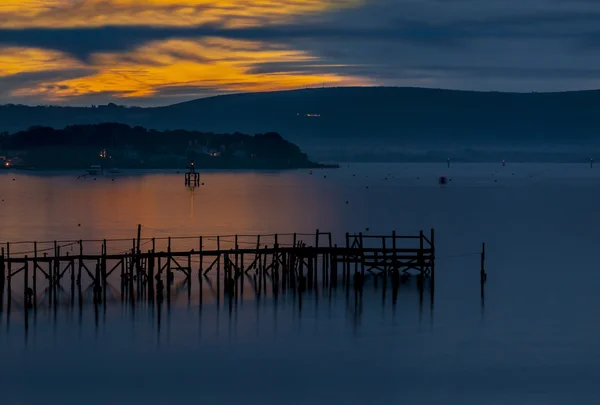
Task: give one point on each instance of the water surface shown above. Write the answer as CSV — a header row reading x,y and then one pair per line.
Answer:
x,y
534,341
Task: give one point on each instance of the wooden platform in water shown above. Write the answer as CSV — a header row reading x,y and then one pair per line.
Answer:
x,y
297,262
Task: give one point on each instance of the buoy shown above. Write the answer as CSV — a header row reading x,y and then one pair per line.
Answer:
x,y
78,224
346,202
503,162
443,180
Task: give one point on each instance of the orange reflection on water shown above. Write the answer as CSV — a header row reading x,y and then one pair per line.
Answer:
x,y
51,208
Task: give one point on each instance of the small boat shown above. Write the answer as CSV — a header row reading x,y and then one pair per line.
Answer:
x,y
94,170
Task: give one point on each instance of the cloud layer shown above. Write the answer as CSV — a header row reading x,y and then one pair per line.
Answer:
x,y
161,51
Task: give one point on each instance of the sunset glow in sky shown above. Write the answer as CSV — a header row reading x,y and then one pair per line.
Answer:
x,y
151,52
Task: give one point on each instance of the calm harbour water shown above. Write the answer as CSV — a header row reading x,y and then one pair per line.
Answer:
x,y
534,342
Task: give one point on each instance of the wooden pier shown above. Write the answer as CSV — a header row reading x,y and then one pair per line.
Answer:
x,y
154,270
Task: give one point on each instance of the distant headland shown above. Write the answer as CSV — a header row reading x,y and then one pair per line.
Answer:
x,y
111,145
370,123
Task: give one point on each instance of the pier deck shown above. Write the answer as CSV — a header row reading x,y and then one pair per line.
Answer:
x,y
42,272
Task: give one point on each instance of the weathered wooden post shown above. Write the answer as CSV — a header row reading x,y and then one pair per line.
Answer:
x,y
316,260
150,277
242,275
9,268
482,273
394,257
310,270
362,256
432,236
236,247
218,269
35,266
346,262
26,292
420,255
169,274
200,270
189,277
80,262
97,287
2,278
333,267
104,276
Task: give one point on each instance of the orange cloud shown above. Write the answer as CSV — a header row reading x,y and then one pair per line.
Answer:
x,y
17,60
98,13
207,63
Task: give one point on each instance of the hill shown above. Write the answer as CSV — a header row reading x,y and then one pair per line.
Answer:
x,y
360,117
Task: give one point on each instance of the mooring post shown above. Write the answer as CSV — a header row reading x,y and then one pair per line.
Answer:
x,y
104,276
150,277
80,262
394,256
264,270
275,263
123,279
50,267
346,262
483,275
130,289
2,278
316,261
236,247
26,293
362,256
72,268
218,269
432,240
189,278
242,276
9,267
293,255
97,283
169,274
420,256
35,265
138,251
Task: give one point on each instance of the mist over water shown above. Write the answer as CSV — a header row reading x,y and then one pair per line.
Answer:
x,y
533,341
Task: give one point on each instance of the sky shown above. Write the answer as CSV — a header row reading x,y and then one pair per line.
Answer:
x,y
158,52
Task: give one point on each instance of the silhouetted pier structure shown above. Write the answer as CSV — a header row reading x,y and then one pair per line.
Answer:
x,y
192,177
34,274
